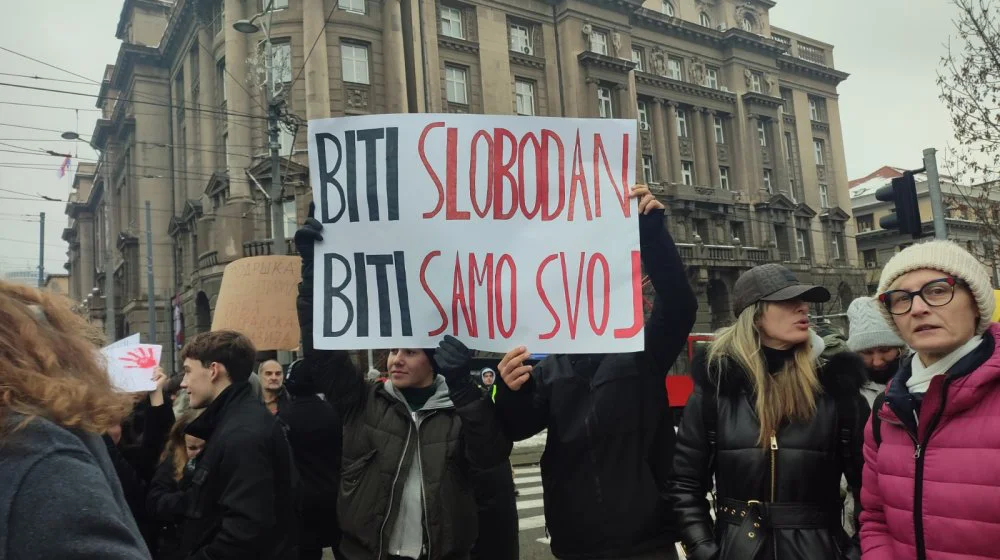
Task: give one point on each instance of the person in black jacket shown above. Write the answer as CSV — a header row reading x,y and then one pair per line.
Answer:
x,y
243,502
315,435
776,429
610,432
496,498
167,499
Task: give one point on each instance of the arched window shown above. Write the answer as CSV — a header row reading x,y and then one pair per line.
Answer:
x,y
667,8
748,23
705,20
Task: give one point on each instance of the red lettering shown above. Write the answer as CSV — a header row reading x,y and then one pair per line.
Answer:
x,y
476,278
430,170
630,332
578,179
541,178
502,174
605,292
572,310
623,192
543,170
545,298
507,261
458,297
427,290
451,178
481,135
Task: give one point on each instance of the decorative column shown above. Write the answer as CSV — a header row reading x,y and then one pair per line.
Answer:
x,y
713,149
207,98
700,148
755,170
239,101
780,159
395,63
660,146
675,143
317,71
592,97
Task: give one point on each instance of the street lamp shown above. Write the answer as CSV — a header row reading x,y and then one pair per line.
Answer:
x,y
70,135
248,25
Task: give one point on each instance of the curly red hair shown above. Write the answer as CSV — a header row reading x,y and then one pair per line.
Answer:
x,y
50,366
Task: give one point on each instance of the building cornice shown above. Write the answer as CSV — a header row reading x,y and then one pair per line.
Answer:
x,y
99,138
527,60
181,15
129,5
460,45
128,56
762,100
678,86
596,60
622,6
794,65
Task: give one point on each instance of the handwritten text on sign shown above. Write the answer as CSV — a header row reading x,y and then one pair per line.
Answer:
x,y
498,230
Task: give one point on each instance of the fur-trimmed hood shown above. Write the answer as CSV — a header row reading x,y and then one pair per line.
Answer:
x,y
842,375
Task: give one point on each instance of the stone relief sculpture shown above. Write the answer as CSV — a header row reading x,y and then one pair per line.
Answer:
x,y
747,76
659,62
772,84
696,71
616,42
587,28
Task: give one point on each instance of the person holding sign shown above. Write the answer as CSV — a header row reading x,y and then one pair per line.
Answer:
x,y
410,443
59,494
610,433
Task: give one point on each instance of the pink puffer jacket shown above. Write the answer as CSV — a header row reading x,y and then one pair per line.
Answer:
x,y
939,500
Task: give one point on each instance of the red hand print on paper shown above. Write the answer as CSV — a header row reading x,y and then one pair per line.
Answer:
x,y
141,358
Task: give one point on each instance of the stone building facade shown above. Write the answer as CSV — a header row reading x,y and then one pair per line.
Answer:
x,y
740,121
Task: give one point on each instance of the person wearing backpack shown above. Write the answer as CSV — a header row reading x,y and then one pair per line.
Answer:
x,y
931,478
775,429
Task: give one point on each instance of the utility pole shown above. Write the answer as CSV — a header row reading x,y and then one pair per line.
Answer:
x,y
277,215
110,320
934,190
41,250
151,301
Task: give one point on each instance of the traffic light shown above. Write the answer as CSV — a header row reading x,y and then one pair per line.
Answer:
x,y
906,215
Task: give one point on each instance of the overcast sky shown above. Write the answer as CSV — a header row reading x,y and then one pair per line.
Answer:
x,y
889,106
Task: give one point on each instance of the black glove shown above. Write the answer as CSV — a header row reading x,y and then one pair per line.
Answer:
x,y
453,359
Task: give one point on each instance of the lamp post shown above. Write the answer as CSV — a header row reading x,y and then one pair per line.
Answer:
x,y
274,102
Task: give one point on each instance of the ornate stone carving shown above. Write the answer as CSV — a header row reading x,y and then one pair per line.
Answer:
x,y
765,154
587,29
747,76
659,62
696,71
772,83
685,147
723,152
357,98
647,145
616,42
821,172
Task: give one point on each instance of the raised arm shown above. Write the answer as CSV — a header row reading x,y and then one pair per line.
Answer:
x,y
522,401
331,372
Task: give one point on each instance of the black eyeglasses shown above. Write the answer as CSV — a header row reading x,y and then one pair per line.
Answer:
x,y
934,293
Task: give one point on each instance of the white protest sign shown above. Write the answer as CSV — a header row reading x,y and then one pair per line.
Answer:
x,y
498,230
131,366
123,343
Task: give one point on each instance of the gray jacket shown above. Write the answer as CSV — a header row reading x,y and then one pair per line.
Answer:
x,y
60,497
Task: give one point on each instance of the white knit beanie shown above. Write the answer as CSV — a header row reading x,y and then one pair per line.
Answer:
x,y
950,258
868,327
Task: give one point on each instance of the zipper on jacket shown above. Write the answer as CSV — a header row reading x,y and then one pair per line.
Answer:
x,y
423,500
918,492
392,491
774,482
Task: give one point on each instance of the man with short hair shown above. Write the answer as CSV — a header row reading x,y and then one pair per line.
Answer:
x,y
272,384
242,501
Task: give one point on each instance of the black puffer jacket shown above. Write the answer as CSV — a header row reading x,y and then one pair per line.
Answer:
x,y
802,467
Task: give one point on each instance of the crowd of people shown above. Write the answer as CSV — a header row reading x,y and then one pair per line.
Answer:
x,y
792,446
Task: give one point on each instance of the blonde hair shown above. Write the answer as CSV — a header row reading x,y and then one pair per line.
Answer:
x,y
50,365
788,394
176,450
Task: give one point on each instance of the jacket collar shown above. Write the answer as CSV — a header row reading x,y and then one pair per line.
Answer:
x,y
441,398
203,426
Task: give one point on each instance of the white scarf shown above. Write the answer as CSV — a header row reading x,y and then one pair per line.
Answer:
x,y
920,381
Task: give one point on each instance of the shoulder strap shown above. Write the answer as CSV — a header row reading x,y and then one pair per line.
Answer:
x,y
876,421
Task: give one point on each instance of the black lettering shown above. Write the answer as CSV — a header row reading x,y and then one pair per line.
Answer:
x,y
380,262
392,176
370,138
352,191
404,296
328,177
362,287
331,292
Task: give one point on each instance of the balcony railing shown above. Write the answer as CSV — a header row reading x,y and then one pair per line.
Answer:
x,y
263,247
208,259
725,255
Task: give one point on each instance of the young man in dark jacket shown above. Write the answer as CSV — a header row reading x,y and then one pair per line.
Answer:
x,y
243,501
610,440
410,443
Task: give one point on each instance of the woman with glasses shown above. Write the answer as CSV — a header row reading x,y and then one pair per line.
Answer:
x,y
932,449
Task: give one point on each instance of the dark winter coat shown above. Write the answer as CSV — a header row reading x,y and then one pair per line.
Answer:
x,y
610,442
244,493
803,466
498,535
166,503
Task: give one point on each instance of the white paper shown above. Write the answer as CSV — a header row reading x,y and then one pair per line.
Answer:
x,y
132,367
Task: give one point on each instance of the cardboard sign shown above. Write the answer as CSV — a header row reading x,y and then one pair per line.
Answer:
x,y
257,298
498,230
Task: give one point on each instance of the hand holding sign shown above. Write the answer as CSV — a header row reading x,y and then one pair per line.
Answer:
x,y
647,202
132,368
512,370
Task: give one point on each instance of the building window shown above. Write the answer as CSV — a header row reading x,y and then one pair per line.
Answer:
x,y
720,132
786,101
286,139
788,145
281,64
647,168
762,134
225,148
835,246
455,82
451,22
701,229
736,231
520,39
643,115
667,8
674,71
353,6
767,181
865,223
354,62
712,78
687,172
220,80
637,60
756,82
801,245
290,218
682,123
275,4
524,97
604,108
599,42
818,151
791,191
724,178
870,257
824,197
817,109
705,20
748,23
